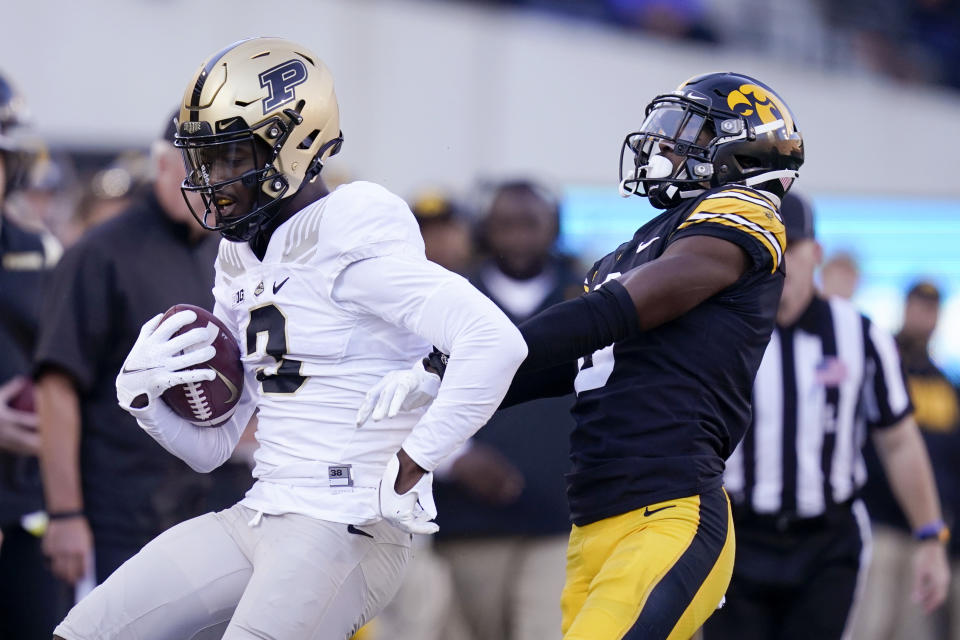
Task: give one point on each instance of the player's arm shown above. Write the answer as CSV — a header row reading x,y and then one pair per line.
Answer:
x,y
202,448
691,270
157,362
552,382
728,232
485,347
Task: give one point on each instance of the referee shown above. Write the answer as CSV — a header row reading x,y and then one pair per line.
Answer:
x,y
828,377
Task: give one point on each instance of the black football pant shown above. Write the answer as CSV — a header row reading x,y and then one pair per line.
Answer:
x,y
32,601
791,581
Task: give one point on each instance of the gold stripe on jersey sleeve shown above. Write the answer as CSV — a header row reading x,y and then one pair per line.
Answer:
x,y
774,254
756,220
752,194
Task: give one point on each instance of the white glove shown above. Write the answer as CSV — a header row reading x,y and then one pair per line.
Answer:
x,y
403,390
413,510
156,360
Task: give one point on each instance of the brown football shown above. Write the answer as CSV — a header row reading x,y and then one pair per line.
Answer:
x,y
209,403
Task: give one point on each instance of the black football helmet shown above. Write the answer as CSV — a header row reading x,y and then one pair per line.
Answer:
x,y
727,128
18,149
263,113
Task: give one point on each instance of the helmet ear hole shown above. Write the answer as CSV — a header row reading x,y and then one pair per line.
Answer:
x,y
747,162
307,142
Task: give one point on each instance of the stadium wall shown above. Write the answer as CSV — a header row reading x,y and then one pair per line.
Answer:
x,y
438,93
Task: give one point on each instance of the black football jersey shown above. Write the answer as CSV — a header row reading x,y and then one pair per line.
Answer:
x,y
659,412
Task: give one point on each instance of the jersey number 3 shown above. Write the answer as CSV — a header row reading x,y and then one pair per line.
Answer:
x,y
596,368
270,320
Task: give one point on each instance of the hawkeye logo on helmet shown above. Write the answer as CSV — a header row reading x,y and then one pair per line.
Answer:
x,y
750,99
280,82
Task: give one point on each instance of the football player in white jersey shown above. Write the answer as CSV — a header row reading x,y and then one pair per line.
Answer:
x,y
325,292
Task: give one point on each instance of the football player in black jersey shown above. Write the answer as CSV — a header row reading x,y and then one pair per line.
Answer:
x,y
662,351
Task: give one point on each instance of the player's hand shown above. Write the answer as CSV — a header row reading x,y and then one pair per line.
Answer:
x,y
486,474
411,509
931,575
18,429
398,391
156,360
68,545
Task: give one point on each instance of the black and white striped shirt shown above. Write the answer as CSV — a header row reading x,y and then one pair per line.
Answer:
x,y
822,383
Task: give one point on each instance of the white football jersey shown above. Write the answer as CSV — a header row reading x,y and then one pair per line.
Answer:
x,y
314,358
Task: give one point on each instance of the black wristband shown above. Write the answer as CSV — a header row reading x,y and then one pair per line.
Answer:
x,y
65,515
436,362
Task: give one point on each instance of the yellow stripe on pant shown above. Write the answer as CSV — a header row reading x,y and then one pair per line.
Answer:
x,y
653,573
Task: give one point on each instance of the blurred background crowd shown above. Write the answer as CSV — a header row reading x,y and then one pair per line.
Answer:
x,y
911,40
500,121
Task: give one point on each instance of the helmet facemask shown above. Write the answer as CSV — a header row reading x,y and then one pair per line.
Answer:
x,y
235,175
670,157
716,129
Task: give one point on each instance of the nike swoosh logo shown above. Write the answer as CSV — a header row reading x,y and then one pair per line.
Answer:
x,y
644,245
223,125
649,512
276,287
352,529
125,370
232,388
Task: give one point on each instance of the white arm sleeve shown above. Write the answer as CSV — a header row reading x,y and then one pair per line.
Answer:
x,y
485,347
202,448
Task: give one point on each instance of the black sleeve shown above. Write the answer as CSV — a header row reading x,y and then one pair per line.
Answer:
x,y
558,336
75,323
576,328
553,382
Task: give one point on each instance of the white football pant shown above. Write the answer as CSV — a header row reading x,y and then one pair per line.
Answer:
x,y
285,577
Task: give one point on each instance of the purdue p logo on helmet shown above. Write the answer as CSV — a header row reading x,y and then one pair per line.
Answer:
x,y
267,108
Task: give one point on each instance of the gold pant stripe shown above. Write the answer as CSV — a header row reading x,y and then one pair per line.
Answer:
x,y
620,578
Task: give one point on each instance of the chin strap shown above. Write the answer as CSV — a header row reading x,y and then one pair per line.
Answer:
x,y
626,192
790,174
783,179
317,163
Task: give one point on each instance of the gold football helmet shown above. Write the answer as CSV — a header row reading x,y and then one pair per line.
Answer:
x,y
258,117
